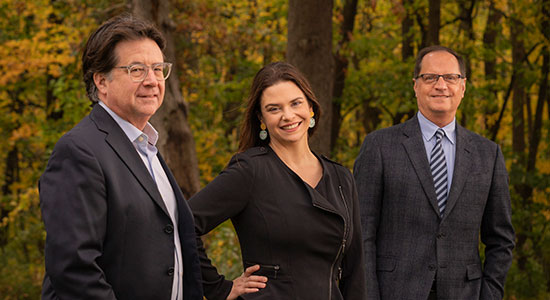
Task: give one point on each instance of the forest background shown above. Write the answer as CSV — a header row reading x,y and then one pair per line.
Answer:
x,y
359,57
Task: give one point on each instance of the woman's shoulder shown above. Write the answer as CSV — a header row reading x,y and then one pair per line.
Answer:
x,y
249,157
334,166
254,151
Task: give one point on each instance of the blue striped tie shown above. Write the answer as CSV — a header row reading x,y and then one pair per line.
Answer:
x,y
439,171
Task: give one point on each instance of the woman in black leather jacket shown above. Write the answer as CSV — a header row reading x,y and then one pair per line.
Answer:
x,y
296,213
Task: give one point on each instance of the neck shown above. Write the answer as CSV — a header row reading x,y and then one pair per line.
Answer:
x,y
440,121
139,125
294,153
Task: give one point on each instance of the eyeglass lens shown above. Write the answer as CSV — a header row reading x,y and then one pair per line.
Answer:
x,y
138,72
449,78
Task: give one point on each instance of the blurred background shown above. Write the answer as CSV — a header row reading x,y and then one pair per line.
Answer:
x,y
358,55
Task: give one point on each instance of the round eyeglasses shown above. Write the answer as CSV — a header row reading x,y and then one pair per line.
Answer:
x,y
138,72
433,78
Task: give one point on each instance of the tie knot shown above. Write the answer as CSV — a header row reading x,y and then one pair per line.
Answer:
x,y
439,133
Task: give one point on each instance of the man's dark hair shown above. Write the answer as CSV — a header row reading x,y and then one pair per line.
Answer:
x,y
99,52
424,51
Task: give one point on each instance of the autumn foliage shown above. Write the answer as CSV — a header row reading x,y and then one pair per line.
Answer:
x,y
220,44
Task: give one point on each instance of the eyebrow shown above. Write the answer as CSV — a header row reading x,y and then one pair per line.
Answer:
x,y
271,104
142,63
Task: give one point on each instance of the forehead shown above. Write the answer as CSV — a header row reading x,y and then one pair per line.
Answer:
x,y
280,92
143,51
439,62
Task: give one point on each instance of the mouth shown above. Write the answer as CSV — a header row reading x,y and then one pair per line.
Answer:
x,y
291,126
146,97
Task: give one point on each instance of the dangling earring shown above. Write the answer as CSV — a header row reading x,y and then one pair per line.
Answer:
x,y
263,133
312,120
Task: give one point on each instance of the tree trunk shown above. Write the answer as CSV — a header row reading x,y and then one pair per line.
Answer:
x,y
518,134
434,18
176,141
467,28
518,96
535,134
490,61
309,48
420,15
407,49
341,67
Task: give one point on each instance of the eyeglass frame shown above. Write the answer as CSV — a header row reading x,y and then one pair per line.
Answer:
x,y
146,67
460,76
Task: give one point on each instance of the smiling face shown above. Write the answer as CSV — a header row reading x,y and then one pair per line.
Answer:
x,y
133,101
439,101
285,111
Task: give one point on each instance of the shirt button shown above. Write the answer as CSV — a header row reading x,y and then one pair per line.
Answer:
x,y
169,228
170,272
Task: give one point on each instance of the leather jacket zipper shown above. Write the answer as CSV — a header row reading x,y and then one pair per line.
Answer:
x,y
342,248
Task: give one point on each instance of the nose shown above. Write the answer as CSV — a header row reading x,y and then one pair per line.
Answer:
x,y
287,113
150,79
440,83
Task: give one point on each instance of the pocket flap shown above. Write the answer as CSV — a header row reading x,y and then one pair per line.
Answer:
x,y
473,271
385,264
269,271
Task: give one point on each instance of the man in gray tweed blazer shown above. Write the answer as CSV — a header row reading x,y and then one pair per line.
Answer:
x,y
429,190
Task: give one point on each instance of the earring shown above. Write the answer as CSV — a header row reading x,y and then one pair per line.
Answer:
x,y
263,133
312,120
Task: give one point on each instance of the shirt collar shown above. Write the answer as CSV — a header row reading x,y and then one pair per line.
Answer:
x,y
130,130
428,128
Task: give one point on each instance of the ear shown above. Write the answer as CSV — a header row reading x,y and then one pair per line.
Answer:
x,y
100,81
463,87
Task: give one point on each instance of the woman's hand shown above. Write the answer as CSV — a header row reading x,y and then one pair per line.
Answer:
x,y
247,283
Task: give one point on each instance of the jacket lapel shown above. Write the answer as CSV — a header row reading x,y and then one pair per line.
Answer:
x,y
414,146
463,167
185,216
117,139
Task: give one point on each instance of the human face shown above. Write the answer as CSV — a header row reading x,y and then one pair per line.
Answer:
x,y
135,102
439,101
285,111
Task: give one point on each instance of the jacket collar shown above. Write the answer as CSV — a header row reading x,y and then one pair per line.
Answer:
x,y
122,146
414,146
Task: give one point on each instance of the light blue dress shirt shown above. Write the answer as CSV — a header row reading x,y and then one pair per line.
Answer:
x,y
145,142
448,143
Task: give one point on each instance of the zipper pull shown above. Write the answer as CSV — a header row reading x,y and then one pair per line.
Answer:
x,y
339,273
344,245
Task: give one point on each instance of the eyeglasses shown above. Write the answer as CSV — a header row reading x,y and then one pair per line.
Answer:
x,y
433,78
138,72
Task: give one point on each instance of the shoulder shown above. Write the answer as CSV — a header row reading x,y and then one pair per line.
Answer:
x,y
78,136
248,159
253,152
389,134
335,167
474,139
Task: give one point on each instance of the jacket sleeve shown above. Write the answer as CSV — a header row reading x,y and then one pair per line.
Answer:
x,y
368,172
497,233
221,199
353,282
74,210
